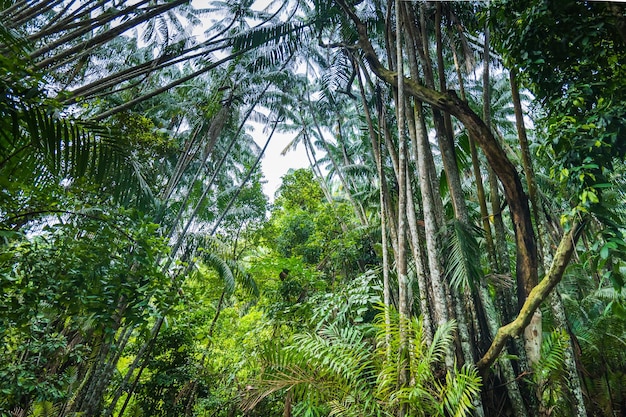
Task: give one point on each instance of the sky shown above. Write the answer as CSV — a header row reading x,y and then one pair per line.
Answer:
x,y
274,165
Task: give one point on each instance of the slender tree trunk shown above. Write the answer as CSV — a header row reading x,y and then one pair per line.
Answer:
x,y
478,179
462,302
444,131
375,143
401,262
424,287
526,160
131,369
393,155
430,221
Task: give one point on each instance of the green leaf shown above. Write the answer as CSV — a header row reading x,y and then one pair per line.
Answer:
x,y
604,252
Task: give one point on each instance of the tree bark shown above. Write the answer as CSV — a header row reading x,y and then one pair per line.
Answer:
x,y
430,223
420,263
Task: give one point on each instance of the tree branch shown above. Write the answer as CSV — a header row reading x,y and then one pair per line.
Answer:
x,y
534,299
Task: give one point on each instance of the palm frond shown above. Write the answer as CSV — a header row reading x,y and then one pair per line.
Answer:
x,y
221,267
12,41
50,148
463,256
550,373
267,36
442,340
215,254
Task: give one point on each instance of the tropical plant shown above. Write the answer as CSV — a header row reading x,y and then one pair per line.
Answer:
x,y
350,371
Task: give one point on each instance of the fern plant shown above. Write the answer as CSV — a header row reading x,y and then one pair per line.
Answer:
x,y
352,371
550,375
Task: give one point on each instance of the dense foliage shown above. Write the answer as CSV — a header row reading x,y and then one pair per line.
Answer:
x,y
457,246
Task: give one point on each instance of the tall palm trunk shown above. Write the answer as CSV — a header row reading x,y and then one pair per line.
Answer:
x,y
444,132
401,262
393,156
462,300
478,178
430,219
425,295
375,143
526,160
432,209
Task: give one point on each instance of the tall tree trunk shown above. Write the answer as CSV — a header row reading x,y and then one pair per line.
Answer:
x,y
401,262
478,179
526,160
416,246
461,298
393,155
444,131
430,220
376,151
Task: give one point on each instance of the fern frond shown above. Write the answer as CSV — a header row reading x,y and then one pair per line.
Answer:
x,y
460,391
442,340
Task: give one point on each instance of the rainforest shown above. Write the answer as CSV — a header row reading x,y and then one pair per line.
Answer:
x,y
454,245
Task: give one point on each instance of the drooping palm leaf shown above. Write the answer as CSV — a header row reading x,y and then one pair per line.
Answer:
x,y
68,149
213,253
463,256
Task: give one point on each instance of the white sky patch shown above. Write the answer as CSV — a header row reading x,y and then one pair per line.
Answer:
x,y
274,165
